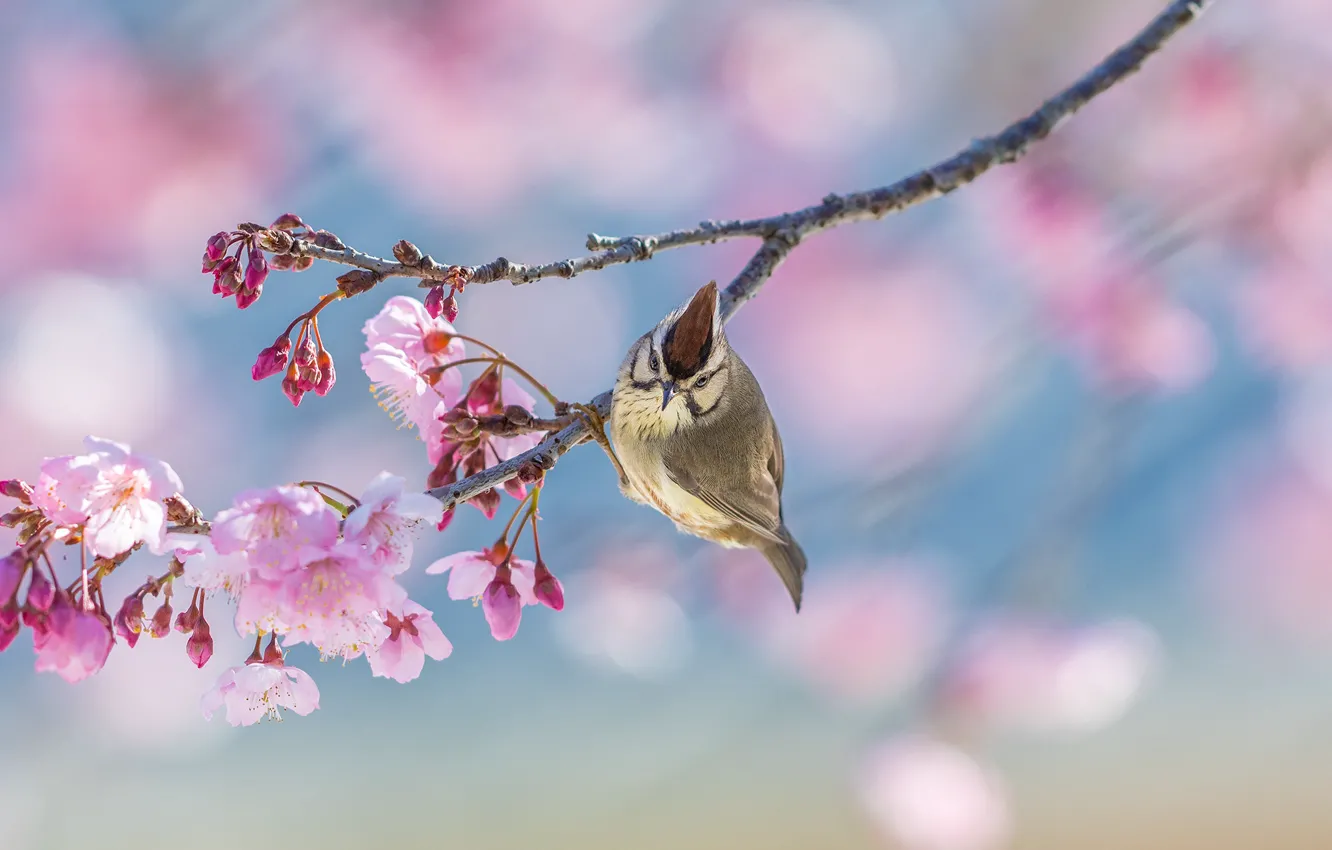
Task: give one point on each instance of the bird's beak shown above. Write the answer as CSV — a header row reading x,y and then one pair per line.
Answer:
x,y
667,390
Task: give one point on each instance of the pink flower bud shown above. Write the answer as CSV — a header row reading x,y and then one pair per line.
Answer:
x,y
187,619
200,645
12,567
302,263
445,520
287,221
327,375
434,300
41,593
448,308
502,607
227,277
549,591
215,250
256,272
160,625
9,624
271,360
13,488
282,262
129,619
292,388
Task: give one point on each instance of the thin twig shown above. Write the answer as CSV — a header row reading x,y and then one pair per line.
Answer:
x,y
782,233
939,179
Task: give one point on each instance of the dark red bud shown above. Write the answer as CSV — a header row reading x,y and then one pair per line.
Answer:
x,y
256,271
9,625
227,277
448,308
186,619
518,415
549,591
16,489
178,509
200,645
407,253
324,239
292,388
129,619
12,568
215,250
160,625
272,654
484,391
515,488
433,301
276,241
271,360
249,227
302,263
327,374
41,593
357,281
282,262
530,472
445,520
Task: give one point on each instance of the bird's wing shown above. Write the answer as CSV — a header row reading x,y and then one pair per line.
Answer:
x,y
777,463
757,507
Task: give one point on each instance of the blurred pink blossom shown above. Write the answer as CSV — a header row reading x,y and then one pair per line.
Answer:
x,y
899,345
1039,675
810,78
1267,564
274,525
624,612
925,794
114,159
1096,298
866,632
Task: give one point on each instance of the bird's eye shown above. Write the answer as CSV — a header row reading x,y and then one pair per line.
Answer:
x,y
702,380
653,363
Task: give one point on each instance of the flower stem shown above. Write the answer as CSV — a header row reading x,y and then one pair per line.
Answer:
x,y
499,360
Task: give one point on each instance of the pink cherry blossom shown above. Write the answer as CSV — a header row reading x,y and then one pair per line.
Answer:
x,y
403,392
404,324
412,636
255,690
116,495
274,525
503,589
1038,675
925,794
333,601
75,642
66,482
206,569
387,520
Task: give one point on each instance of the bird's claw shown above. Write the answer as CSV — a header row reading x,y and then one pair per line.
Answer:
x,y
596,423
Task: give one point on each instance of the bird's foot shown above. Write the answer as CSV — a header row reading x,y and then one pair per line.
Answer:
x,y
596,423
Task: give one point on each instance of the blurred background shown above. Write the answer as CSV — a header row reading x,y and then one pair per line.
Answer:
x,y
1058,445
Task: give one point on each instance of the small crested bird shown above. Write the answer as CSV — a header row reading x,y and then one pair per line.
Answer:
x,y
695,440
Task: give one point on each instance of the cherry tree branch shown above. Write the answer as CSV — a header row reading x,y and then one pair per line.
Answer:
x,y
782,233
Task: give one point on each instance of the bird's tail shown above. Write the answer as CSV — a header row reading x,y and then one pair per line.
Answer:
x,y
788,559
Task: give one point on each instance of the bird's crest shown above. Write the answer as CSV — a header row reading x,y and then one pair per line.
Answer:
x,y
688,344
